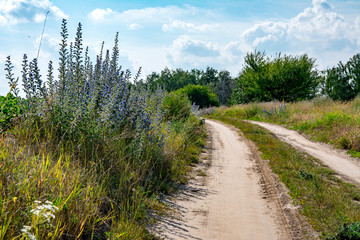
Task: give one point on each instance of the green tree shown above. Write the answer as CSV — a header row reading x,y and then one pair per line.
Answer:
x,y
200,95
288,78
224,87
343,82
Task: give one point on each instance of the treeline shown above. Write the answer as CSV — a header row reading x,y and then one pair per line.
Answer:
x,y
218,82
283,78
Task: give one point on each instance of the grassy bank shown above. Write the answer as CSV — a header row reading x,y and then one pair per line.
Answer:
x,y
321,119
106,190
327,202
87,155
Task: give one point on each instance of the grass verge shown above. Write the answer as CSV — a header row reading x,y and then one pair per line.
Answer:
x,y
326,201
321,119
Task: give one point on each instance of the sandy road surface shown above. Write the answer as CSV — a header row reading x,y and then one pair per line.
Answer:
x,y
347,167
230,202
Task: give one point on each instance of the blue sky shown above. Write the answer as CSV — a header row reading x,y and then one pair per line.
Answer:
x,y
187,34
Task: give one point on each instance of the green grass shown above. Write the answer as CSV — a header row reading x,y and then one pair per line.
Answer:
x,y
325,200
321,119
103,190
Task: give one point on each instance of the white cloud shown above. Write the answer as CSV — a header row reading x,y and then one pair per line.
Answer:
x,y
48,40
187,52
315,30
184,44
100,14
133,26
22,11
149,15
190,27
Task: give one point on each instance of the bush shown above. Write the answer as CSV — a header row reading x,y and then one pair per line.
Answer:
x,y
9,109
176,106
348,232
200,95
285,78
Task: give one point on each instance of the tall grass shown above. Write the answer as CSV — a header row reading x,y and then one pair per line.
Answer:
x,y
322,119
90,151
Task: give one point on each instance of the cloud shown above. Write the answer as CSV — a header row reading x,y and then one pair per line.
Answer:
x,y
133,26
149,15
198,48
100,14
48,40
190,27
188,52
23,11
316,29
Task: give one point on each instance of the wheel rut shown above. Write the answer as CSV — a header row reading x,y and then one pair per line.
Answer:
x,y
236,197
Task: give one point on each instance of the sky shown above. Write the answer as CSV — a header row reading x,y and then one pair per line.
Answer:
x,y
182,34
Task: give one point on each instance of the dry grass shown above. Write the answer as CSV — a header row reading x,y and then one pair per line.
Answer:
x,y
322,119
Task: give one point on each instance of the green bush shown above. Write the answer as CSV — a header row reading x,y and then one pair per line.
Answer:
x,y
288,78
176,106
348,232
200,95
9,109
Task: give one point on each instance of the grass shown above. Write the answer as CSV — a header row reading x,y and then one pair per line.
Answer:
x,y
85,155
321,119
103,191
326,201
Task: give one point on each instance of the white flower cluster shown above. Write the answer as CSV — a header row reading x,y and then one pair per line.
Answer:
x,y
26,230
45,210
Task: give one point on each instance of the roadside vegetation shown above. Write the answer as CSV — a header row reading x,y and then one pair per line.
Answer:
x,y
89,153
321,119
325,106
330,205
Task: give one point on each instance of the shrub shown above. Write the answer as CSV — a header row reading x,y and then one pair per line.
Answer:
x,y
176,106
200,95
288,78
348,232
9,109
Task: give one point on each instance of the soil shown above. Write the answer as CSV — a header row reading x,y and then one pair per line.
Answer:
x,y
233,195
345,166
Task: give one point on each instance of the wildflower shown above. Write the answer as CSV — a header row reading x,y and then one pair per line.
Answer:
x,y
26,231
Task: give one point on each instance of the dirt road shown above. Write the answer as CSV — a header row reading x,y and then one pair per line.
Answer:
x,y
233,198
347,167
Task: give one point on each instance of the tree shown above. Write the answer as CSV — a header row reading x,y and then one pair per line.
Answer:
x,y
343,82
285,78
199,95
224,87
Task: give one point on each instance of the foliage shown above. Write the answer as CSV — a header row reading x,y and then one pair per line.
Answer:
x,y
343,81
199,95
348,232
10,77
97,146
176,106
285,78
321,119
221,83
9,109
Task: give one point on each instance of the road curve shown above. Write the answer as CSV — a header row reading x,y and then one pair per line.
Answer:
x,y
347,167
230,202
